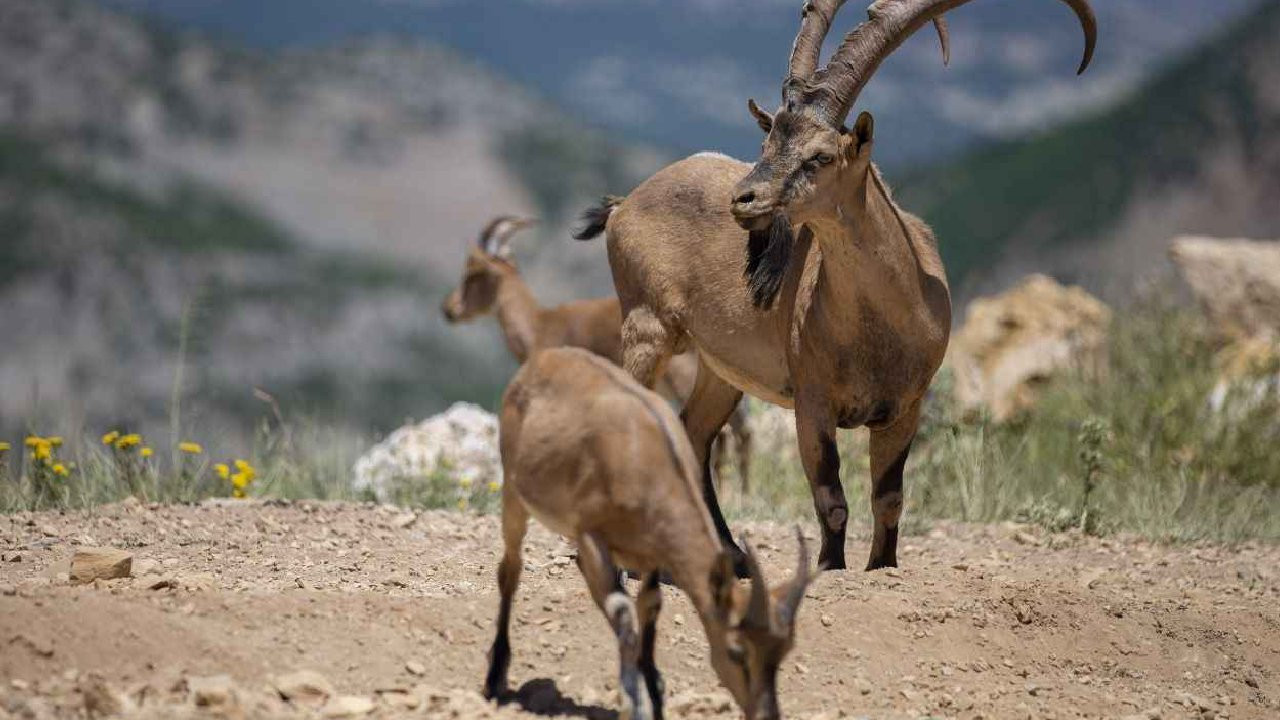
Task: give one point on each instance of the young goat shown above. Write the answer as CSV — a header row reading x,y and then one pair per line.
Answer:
x,y
491,282
601,460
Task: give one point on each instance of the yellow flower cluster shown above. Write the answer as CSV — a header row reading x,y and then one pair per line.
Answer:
x,y
44,453
4,447
190,448
240,480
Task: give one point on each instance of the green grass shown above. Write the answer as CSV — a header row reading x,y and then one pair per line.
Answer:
x,y
1164,465
1136,450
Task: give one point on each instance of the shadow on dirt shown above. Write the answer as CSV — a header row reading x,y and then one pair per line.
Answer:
x,y
542,697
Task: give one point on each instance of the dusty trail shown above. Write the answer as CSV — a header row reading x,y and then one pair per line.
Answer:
x,y
396,609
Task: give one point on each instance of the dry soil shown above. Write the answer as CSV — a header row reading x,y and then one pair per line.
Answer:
x,y
393,612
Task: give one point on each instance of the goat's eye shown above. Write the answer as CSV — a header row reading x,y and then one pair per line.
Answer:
x,y
823,158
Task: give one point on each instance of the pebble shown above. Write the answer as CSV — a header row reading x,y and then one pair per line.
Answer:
x,y
95,563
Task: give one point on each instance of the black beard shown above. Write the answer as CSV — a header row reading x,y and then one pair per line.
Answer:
x,y
768,254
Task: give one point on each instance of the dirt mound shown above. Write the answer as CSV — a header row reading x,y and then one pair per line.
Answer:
x,y
389,614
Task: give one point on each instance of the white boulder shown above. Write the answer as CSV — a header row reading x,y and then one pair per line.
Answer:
x,y
460,443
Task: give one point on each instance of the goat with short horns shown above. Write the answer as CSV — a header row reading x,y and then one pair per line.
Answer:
x,y
845,312
602,461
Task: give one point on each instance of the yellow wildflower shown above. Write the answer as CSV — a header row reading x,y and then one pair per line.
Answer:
x,y
190,448
147,452
4,447
128,441
494,486
241,480
222,470
33,440
238,494
43,451
60,470
462,503
55,441
111,437
465,482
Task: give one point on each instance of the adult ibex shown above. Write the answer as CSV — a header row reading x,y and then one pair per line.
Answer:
x,y
491,282
602,461
846,321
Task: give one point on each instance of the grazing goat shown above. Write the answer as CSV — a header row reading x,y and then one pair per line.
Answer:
x,y
846,320
602,461
490,279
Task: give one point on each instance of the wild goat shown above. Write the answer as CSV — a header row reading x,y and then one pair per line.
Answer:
x,y
602,461
847,320
491,279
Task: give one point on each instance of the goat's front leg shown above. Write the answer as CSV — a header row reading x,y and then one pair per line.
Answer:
x,y
606,589
889,449
816,433
648,606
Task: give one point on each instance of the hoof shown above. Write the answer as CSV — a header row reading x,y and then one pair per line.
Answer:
x,y
881,563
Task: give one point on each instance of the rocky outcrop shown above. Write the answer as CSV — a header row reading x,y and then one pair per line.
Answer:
x,y
1237,282
1012,343
461,443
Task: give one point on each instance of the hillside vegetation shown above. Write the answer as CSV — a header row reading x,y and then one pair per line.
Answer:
x,y
1095,200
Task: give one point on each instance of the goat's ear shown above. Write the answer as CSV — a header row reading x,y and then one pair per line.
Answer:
x,y
723,582
763,118
863,132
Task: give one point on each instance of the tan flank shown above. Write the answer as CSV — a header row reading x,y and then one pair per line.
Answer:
x,y
844,312
491,283
603,461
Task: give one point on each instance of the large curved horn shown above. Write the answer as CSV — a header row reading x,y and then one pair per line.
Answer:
x,y
494,237
795,589
815,22
890,22
758,607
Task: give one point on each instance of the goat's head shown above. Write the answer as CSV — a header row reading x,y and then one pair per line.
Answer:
x,y
756,630
808,152
487,263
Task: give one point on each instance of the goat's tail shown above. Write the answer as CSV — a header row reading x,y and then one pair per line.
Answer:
x,y
595,218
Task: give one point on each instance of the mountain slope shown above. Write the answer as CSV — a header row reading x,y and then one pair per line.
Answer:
x,y
302,213
1194,151
678,73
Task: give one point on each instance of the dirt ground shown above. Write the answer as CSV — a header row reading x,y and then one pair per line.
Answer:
x,y
394,611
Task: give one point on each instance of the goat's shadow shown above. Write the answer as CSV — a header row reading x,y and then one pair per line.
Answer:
x,y
541,697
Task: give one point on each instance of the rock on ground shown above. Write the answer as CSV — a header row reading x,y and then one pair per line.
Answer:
x,y
1014,341
461,442
93,563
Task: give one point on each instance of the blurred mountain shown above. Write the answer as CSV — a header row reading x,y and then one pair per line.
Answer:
x,y
297,215
677,72
1196,150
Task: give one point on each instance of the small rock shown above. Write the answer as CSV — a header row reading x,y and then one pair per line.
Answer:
x,y
90,563
415,668
12,557
403,521
304,687
212,691
862,685
827,620
145,566
100,699
8,590
1025,538
348,706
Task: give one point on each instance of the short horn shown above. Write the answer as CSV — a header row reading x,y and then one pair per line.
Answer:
x,y
758,607
493,239
796,588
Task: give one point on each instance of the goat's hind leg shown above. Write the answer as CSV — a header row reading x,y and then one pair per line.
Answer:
x,y
648,606
606,589
515,522
709,407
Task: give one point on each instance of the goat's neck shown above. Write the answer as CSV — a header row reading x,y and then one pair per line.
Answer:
x,y
866,245
519,315
692,574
